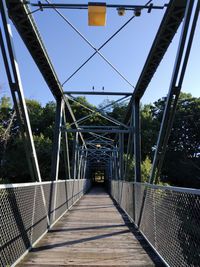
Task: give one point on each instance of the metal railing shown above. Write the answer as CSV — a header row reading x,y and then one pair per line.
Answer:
x,y
168,217
27,211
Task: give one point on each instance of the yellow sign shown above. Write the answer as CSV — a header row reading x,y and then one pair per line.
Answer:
x,y
96,14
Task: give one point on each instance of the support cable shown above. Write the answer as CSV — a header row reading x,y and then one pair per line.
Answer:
x,y
101,109
92,46
97,50
98,112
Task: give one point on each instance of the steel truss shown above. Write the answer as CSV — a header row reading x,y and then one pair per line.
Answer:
x,y
108,147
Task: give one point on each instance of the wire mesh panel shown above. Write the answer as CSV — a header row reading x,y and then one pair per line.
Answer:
x,y
28,210
169,218
123,193
61,202
39,221
16,216
170,221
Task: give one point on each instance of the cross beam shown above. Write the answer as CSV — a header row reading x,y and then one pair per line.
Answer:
x,y
98,93
85,6
79,130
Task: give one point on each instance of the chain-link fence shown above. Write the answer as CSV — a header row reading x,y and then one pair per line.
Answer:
x,y
168,217
28,210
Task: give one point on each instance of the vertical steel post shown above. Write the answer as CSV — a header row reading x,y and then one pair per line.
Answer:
x,y
16,88
130,147
66,148
75,146
82,167
79,164
77,161
56,152
120,158
82,164
14,79
85,166
174,89
137,139
127,157
56,141
117,162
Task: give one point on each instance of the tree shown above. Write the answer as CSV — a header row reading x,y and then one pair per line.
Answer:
x,y
149,131
145,170
14,167
7,127
182,160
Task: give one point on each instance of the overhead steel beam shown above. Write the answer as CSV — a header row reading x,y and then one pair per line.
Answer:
x,y
99,137
99,150
168,27
96,130
14,79
93,142
98,93
98,127
175,87
85,6
21,17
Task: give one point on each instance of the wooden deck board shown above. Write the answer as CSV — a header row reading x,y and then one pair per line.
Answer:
x,y
93,233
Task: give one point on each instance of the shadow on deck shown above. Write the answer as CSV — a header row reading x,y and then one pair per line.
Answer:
x,y
95,232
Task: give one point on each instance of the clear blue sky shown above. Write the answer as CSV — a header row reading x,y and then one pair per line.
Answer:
x,y
127,52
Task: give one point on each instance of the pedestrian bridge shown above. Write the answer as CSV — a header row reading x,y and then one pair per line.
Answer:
x,y
78,224
80,220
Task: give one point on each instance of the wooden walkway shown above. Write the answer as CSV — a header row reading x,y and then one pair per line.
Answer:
x,y
93,233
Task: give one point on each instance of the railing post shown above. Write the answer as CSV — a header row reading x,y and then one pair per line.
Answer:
x,y
56,155
57,141
137,139
75,147
66,148
121,159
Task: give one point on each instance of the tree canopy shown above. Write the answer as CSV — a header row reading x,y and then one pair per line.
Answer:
x,y
182,160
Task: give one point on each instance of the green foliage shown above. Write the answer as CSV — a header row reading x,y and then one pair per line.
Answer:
x,y
14,166
182,160
149,131
43,147
5,102
145,170
35,111
130,166
119,110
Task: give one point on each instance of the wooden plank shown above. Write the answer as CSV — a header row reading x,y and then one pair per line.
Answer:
x,y
93,233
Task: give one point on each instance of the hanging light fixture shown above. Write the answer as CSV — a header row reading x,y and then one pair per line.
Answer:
x,y
121,11
137,12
